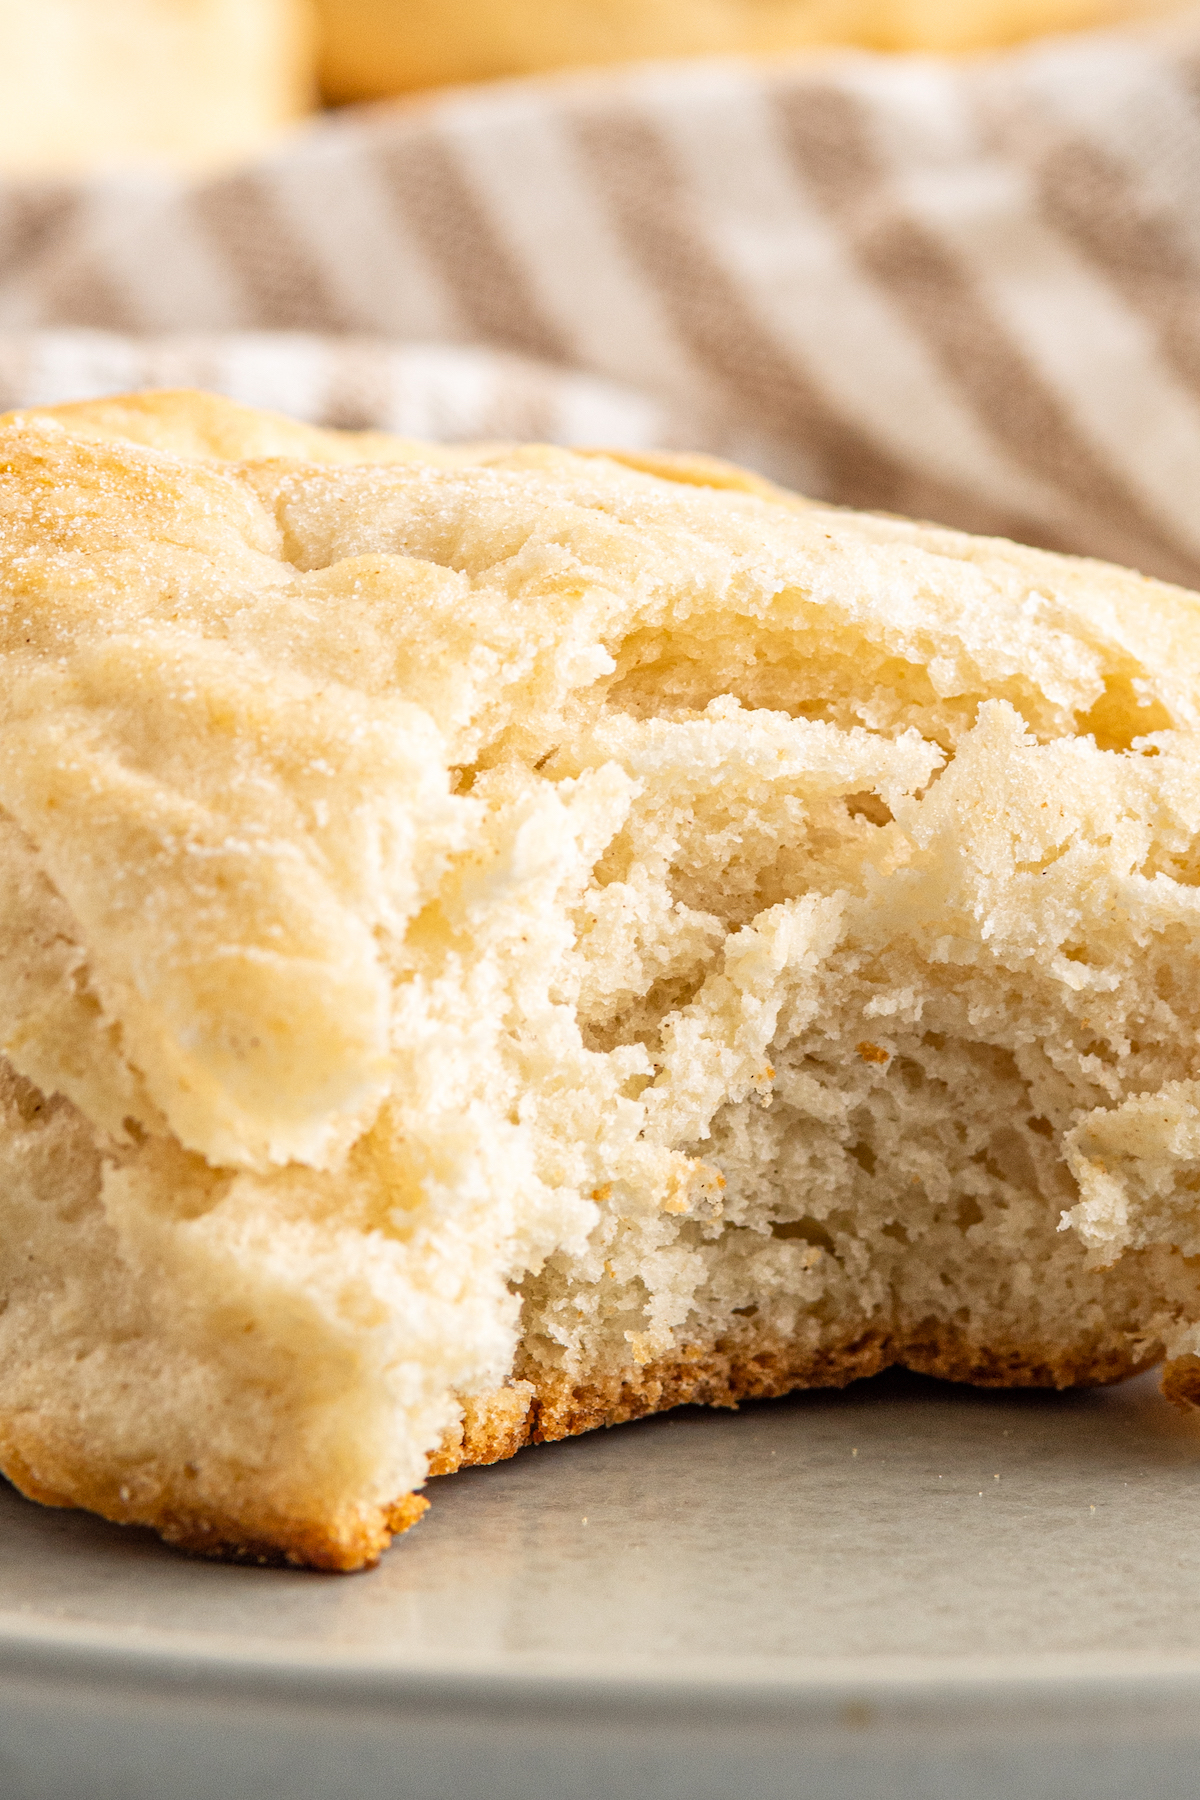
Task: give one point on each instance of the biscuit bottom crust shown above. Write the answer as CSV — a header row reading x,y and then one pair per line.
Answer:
x,y
550,1405
54,1476
559,1406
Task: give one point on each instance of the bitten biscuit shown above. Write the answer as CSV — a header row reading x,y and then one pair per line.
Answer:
x,y
497,941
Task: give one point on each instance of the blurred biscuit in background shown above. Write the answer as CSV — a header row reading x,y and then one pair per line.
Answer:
x,y
194,85
371,48
186,84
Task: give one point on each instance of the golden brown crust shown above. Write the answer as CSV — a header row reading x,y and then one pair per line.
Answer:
x,y
952,1356
494,1427
549,1405
562,1406
357,1542
54,1476
721,1376
1181,1381
552,1405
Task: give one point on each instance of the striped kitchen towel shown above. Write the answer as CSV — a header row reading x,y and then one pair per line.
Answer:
x,y
964,290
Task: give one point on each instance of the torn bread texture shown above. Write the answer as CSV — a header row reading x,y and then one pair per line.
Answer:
x,y
499,941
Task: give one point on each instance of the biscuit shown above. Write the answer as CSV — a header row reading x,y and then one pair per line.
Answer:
x,y
192,86
497,941
371,48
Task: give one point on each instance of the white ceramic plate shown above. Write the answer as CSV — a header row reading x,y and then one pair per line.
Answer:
x,y
903,1590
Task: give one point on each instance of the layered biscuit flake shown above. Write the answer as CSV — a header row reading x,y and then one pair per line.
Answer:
x,y
498,941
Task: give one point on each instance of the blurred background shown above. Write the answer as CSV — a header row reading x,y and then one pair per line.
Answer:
x,y
90,84
915,255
